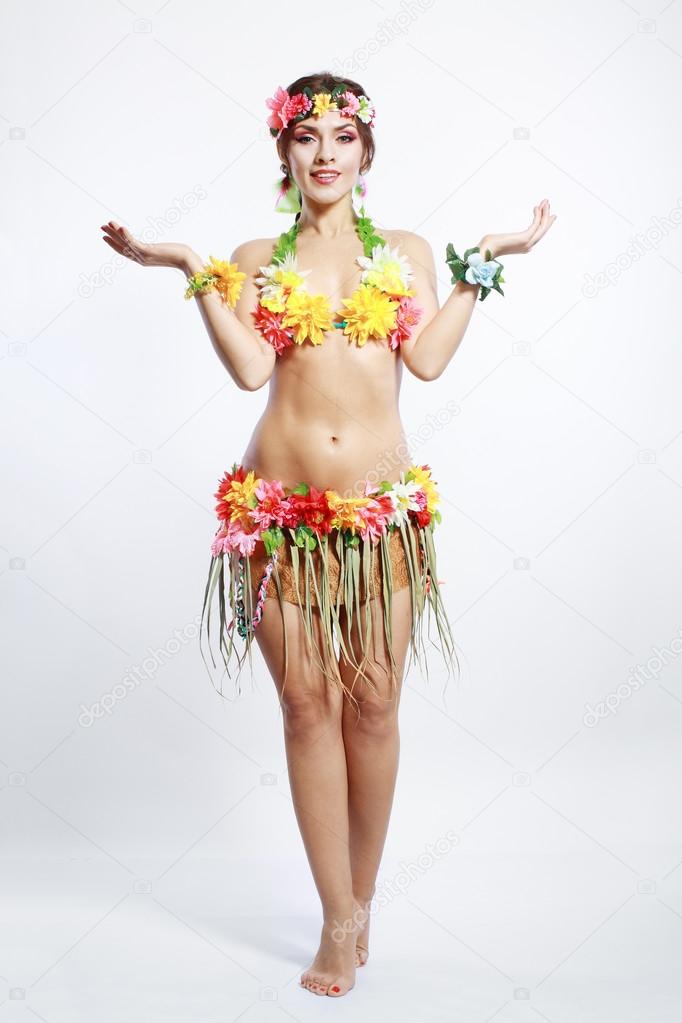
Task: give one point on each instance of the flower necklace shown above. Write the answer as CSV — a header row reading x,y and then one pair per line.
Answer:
x,y
381,306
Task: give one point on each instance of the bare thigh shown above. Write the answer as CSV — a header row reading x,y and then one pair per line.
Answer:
x,y
378,695
306,690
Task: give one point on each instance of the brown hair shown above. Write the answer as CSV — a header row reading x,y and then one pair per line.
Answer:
x,y
325,81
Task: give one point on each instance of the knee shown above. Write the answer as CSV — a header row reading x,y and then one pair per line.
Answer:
x,y
306,712
374,716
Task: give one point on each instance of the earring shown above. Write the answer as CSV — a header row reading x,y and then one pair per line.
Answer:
x,y
288,195
360,187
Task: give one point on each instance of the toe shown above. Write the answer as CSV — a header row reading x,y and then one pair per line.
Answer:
x,y
337,988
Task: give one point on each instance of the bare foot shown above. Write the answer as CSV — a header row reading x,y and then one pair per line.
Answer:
x,y
362,916
332,971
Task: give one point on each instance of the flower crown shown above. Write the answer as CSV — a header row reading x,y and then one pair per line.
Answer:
x,y
288,109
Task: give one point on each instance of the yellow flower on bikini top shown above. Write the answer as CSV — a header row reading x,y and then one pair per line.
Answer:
x,y
369,312
308,316
381,306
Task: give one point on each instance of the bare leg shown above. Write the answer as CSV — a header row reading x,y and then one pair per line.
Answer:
x,y
316,761
372,744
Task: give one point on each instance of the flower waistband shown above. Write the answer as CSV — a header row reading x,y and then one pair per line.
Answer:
x,y
252,509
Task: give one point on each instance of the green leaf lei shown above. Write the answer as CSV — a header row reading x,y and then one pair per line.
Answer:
x,y
286,243
364,227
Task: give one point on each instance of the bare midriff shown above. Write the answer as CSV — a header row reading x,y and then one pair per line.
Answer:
x,y
332,418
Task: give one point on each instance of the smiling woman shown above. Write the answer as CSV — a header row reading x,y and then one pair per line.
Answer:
x,y
325,547
295,131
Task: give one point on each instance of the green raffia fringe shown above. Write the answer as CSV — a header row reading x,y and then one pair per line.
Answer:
x,y
230,575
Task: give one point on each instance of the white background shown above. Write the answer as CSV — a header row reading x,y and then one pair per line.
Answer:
x,y
152,864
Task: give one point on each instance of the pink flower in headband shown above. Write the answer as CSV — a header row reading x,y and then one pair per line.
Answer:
x,y
285,107
357,106
352,104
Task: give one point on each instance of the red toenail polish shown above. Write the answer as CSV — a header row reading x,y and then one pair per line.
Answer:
x,y
335,988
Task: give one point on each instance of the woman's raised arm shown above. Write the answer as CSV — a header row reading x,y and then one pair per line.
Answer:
x,y
434,342
246,356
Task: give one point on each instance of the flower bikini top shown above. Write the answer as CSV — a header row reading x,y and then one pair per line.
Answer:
x,y
381,306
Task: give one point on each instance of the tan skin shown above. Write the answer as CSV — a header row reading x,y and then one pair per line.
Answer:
x,y
332,419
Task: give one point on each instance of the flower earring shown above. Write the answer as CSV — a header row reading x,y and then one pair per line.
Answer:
x,y
360,187
288,195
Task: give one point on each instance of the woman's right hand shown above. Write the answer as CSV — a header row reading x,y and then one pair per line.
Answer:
x,y
147,254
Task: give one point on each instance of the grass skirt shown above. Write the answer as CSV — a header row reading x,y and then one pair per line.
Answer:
x,y
324,553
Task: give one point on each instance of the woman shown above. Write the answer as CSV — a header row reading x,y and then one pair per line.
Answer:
x,y
326,524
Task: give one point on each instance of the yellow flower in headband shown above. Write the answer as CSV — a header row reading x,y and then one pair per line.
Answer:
x,y
322,103
309,315
369,313
229,279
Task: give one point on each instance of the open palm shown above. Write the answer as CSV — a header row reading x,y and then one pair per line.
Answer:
x,y
520,241
155,254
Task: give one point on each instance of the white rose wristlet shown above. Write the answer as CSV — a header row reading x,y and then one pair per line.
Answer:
x,y
475,270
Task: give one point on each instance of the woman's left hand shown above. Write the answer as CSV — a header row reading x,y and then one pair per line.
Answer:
x,y
521,241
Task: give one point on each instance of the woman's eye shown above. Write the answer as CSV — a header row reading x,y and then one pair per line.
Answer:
x,y
303,138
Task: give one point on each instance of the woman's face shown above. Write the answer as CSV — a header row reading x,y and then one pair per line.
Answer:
x,y
330,142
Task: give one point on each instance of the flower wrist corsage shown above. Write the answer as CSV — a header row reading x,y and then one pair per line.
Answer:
x,y
220,275
475,270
